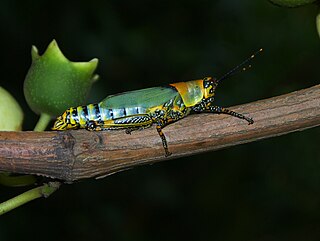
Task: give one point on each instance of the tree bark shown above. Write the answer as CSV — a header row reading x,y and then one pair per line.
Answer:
x,y
78,154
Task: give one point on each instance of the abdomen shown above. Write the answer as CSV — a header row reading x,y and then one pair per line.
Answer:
x,y
97,113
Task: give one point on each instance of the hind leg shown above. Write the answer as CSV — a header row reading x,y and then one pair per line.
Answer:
x,y
129,123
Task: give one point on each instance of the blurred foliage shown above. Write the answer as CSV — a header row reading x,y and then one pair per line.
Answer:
x,y
318,23
10,112
267,190
292,3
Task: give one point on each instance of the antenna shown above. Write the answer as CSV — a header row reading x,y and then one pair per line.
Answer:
x,y
241,67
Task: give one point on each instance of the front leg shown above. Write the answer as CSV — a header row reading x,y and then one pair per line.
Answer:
x,y
221,110
206,107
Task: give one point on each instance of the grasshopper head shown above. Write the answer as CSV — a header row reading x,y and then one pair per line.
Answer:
x,y
209,85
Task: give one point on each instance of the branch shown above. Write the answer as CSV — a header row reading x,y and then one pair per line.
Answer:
x,y
74,155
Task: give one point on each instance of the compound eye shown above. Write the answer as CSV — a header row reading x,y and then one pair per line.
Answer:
x,y
207,81
206,84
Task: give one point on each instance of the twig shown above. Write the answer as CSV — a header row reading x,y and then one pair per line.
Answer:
x,y
43,191
74,155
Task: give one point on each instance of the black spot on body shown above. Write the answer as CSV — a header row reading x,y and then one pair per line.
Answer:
x,y
97,109
85,111
111,114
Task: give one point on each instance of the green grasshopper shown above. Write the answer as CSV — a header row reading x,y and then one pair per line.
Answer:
x,y
160,106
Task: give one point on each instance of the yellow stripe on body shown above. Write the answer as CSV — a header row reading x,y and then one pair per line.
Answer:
x,y
82,117
72,120
91,112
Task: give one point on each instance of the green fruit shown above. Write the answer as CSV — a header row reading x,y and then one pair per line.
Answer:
x,y
53,83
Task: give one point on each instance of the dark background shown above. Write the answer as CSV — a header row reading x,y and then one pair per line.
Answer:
x,y
266,190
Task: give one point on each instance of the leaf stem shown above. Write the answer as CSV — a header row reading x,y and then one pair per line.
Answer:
x,y
42,122
42,191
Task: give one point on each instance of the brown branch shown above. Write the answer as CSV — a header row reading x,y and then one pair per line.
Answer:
x,y
74,155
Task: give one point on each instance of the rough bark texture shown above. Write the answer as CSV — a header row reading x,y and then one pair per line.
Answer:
x,y
74,155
